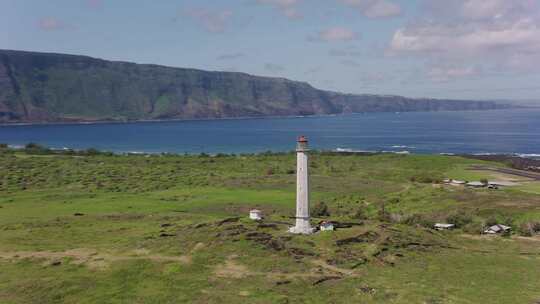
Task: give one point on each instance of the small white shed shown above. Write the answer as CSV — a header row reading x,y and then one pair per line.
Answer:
x,y
255,214
497,229
326,226
476,184
443,226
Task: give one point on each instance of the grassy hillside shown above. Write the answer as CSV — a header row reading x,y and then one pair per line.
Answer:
x,y
42,87
174,229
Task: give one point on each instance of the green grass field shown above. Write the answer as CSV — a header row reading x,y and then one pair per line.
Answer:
x,y
174,229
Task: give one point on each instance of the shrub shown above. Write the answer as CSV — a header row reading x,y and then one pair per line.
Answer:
x,y
290,171
30,146
320,209
420,220
36,149
91,151
394,200
3,146
459,219
474,227
396,217
529,228
491,221
270,171
360,213
425,178
484,181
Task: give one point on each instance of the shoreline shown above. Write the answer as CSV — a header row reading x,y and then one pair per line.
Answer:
x,y
337,151
111,121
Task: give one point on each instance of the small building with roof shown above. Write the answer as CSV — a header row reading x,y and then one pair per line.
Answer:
x,y
476,184
255,214
326,226
498,228
444,226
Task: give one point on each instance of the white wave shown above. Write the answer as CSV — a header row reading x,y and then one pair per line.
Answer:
x,y
16,146
348,150
529,155
402,147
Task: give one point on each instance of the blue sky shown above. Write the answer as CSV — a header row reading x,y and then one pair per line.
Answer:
x,y
481,49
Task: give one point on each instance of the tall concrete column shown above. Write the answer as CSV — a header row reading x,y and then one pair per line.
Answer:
x,y
302,189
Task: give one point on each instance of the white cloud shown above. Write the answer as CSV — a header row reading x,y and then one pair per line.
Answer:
x,y
500,34
523,34
336,34
95,4
494,9
287,7
346,52
370,79
350,63
273,68
230,56
374,8
51,24
212,21
444,74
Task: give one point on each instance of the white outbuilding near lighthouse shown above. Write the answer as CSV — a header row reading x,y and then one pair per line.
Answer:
x,y
255,214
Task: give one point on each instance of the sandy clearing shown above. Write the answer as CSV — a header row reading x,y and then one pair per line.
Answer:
x,y
92,258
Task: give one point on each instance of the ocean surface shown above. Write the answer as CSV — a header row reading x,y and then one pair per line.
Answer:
x,y
476,132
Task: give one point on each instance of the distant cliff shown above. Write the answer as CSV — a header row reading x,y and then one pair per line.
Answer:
x,y
43,87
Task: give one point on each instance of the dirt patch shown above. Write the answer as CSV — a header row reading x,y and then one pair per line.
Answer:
x,y
322,272
232,269
324,265
124,216
198,247
535,238
228,220
324,279
369,236
91,258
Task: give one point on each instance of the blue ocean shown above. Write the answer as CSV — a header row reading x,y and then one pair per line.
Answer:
x,y
515,131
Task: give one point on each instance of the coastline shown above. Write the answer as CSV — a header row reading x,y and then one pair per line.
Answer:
x,y
120,121
336,151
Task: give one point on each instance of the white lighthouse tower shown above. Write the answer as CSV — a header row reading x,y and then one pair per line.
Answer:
x,y
302,189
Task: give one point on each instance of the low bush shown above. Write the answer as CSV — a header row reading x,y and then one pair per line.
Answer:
x,y
491,221
474,227
420,220
529,228
360,213
33,148
425,179
459,219
320,209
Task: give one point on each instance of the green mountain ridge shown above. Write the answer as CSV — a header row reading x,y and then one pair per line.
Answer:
x,y
47,87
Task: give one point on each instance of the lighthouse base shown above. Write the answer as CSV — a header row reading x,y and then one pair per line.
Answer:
x,y
302,228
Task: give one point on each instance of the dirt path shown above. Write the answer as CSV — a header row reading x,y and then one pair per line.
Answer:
x,y
332,268
234,270
521,173
90,257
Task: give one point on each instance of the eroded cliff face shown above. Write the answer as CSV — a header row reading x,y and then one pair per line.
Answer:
x,y
8,94
42,87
